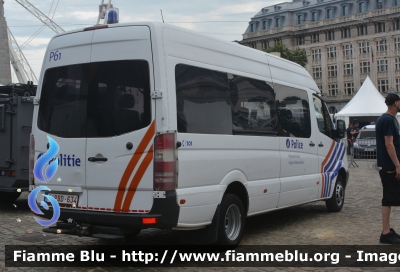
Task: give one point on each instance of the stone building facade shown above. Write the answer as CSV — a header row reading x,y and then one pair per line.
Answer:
x,y
5,68
345,41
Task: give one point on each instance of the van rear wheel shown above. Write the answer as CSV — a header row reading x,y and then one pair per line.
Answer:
x,y
231,220
7,197
130,236
335,203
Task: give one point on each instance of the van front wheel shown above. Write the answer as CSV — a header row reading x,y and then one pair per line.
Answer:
x,y
335,203
231,220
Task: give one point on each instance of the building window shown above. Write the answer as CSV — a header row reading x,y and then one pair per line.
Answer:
x,y
379,27
383,85
397,63
329,13
252,27
348,69
381,45
379,4
331,52
300,19
265,25
314,37
332,70
364,47
314,16
265,44
316,54
278,22
362,7
347,49
382,65
397,84
345,10
330,35
362,30
333,89
397,2
320,88
396,43
300,40
364,67
317,72
346,32
396,24
348,88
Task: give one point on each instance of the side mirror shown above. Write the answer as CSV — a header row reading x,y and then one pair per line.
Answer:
x,y
340,128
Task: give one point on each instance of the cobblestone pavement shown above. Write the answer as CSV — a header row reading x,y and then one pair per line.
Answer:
x,y
359,223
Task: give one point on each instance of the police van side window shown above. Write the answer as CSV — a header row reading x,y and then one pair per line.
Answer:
x,y
203,101
324,121
293,112
100,99
253,106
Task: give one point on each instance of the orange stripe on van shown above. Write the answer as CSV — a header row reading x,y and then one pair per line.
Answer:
x,y
322,168
132,164
137,178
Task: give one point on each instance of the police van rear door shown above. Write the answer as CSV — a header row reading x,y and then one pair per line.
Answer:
x,y
120,130
62,116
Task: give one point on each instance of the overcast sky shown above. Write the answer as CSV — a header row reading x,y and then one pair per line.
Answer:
x,y
224,19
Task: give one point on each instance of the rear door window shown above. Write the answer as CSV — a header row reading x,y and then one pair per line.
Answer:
x,y
100,99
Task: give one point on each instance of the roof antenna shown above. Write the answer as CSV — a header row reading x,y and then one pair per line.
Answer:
x,y
162,17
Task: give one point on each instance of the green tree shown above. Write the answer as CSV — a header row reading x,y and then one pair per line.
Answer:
x,y
298,55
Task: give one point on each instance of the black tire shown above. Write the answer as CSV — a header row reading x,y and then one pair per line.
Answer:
x,y
231,221
7,197
335,203
130,236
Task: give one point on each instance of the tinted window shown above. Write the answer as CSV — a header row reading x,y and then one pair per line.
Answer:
x,y
203,101
100,99
293,112
253,106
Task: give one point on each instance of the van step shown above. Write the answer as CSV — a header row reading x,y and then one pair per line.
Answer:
x,y
56,230
107,236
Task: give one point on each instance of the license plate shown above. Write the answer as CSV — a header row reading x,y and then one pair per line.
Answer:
x,y
369,149
63,199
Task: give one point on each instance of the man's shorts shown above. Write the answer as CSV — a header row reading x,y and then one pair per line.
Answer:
x,y
391,188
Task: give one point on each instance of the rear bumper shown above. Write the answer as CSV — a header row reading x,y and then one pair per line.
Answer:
x,y
166,210
13,190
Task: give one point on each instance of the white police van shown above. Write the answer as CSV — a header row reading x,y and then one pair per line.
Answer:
x,y
162,127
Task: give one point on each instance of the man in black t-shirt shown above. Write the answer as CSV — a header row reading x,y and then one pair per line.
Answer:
x,y
349,141
354,132
388,153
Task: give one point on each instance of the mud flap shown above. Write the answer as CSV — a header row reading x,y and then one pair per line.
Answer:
x,y
209,234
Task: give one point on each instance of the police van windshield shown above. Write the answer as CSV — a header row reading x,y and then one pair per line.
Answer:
x,y
99,99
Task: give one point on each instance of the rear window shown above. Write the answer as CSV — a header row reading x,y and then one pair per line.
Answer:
x,y
100,99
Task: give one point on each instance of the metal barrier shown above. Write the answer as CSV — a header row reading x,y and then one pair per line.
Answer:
x,y
360,150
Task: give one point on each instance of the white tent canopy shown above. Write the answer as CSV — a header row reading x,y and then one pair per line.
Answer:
x,y
367,102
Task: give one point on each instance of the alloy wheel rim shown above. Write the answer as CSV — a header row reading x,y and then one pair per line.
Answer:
x,y
339,194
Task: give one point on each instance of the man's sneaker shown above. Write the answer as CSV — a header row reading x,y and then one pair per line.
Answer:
x,y
389,238
395,233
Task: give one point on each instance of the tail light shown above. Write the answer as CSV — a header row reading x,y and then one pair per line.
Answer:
x,y
165,167
31,160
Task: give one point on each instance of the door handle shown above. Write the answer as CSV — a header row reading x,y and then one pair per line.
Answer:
x,y
94,159
312,144
320,145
